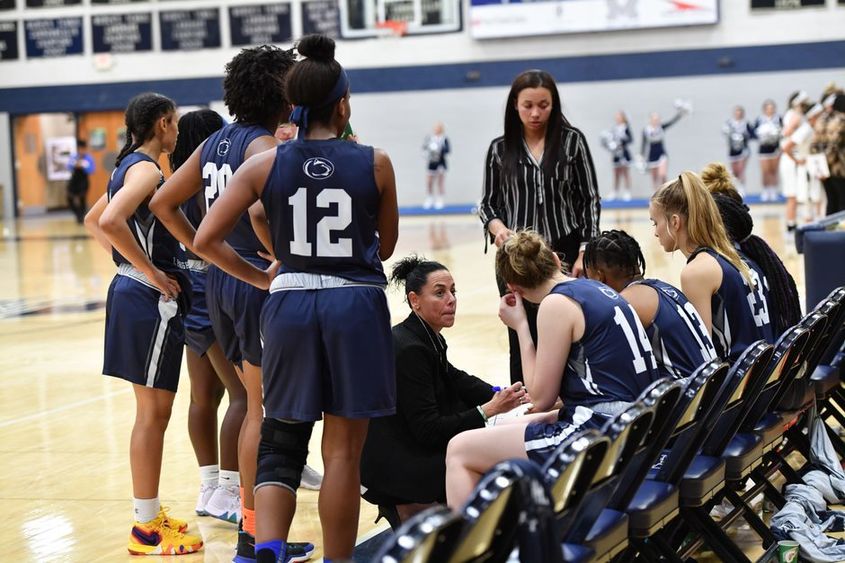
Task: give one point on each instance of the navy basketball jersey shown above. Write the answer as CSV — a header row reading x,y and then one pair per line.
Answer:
x,y
679,339
760,302
322,202
613,361
222,154
739,318
158,244
194,214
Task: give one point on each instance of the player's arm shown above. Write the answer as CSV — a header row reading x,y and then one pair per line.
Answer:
x,y
92,222
644,300
556,323
139,183
179,188
699,281
257,214
388,210
242,191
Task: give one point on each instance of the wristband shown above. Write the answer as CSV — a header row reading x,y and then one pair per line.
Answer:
x,y
481,412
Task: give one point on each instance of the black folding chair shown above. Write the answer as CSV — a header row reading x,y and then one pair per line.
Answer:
x,y
428,536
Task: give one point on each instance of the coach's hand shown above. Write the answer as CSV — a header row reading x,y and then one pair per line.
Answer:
x,y
512,311
167,285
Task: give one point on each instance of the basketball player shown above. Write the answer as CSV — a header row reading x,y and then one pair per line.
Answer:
x,y
326,327
729,296
146,303
679,340
253,90
579,323
210,372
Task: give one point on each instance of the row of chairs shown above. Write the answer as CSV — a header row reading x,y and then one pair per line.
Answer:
x,y
644,486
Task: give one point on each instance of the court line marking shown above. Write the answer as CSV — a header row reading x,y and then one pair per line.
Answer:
x,y
49,412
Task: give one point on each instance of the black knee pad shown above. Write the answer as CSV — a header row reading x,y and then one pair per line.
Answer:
x,y
282,453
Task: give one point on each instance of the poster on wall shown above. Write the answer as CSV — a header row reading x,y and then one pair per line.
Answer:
x,y
53,37
785,4
514,18
59,151
51,3
8,41
113,2
7,4
122,33
260,24
189,30
321,16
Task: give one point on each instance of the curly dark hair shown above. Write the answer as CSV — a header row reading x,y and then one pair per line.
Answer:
x,y
615,250
254,86
194,128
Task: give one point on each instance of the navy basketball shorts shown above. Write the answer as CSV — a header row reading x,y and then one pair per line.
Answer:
x,y
328,351
145,335
542,439
199,334
234,308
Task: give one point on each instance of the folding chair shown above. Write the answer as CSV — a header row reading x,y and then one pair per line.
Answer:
x,y
428,536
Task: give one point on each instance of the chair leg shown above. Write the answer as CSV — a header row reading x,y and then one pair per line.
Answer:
x,y
769,491
665,549
646,549
751,517
715,538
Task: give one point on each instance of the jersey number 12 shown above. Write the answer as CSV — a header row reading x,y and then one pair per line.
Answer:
x,y
300,245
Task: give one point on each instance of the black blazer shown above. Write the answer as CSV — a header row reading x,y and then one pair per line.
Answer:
x,y
404,457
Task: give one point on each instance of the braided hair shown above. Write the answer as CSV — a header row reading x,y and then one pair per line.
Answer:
x,y
194,128
616,250
782,289
142,113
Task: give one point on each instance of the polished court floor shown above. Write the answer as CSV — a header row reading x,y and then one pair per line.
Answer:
x,y
64,428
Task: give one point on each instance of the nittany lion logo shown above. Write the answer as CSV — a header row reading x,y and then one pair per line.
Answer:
x,y
609,292
223,147
670,292
318,168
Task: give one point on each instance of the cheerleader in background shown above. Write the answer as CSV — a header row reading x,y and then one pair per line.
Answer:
x,y
767,131
616,140
791,170
738,132
653,148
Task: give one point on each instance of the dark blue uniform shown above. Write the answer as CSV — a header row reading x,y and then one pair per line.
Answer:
x,y
326,326
199,334
761,303
678,337
145,333
234,306
768,131
738,134
739,313
606,369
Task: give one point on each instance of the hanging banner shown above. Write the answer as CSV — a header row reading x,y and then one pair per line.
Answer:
x,y
514,18
187,30
122,33
53,37
51,3
321,16
9,41
785,4
260,24
7,4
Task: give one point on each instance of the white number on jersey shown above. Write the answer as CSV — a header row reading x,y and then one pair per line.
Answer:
x,y
757,299
325,247
708,352
217,179
622,321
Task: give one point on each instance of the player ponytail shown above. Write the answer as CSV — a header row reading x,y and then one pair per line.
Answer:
x,y
142,114
526,260
717,180
688,198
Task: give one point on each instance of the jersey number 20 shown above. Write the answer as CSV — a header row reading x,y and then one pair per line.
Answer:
x,y
300,245
217,179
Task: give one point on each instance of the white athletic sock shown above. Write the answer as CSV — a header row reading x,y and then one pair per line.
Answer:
x,y
229,479
209,474
146,509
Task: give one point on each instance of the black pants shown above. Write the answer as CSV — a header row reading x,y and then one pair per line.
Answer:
x,y
76,202
834,189
567,249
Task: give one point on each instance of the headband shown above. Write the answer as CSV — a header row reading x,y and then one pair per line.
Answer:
x,y
814,111
299,115
829,100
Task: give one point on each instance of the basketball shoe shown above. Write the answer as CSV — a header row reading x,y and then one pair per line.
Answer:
x,y
311,479
175,523
225,504
206,490
245,551
157,537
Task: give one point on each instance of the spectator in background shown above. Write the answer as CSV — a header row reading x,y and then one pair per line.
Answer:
x,y
81,166
835,152
436,147
767,131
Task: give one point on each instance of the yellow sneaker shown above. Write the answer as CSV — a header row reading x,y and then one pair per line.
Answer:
x,y
174,523
159,538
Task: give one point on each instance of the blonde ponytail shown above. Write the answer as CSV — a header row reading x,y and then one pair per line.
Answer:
x,y
687,196
717,180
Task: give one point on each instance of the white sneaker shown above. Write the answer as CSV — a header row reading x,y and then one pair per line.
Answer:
x,y
611,196
626,195
311,479
206,490
428,202
438,203
225,504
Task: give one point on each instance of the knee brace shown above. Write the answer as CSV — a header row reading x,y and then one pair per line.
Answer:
x,y
282,453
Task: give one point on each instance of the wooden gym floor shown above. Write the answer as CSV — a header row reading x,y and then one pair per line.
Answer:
x,y
64,428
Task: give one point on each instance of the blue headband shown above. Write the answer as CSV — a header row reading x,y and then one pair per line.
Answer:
x,y
299,115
